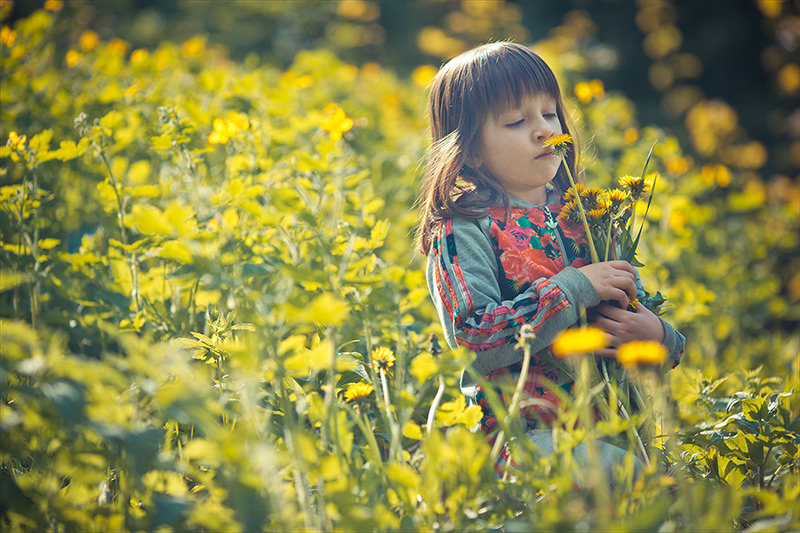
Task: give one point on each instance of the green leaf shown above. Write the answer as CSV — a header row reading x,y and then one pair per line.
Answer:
x,y
756,451
161,142
10,279
203,338
69,150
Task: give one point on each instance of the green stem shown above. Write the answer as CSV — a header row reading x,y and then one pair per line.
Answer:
x,y
626,416
592,249
392,423
608,238
370,436
512,408
435,405
122,231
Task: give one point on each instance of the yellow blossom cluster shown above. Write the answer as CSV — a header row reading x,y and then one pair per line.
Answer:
x,y
7,36
225,128
16,142
336,121
586,91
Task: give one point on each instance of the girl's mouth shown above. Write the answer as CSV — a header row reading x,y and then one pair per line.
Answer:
x,y
545,155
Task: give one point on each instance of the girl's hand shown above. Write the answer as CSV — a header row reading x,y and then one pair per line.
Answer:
x,y
613,280
624,326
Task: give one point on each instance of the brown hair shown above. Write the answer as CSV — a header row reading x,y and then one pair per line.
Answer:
x,y
489,79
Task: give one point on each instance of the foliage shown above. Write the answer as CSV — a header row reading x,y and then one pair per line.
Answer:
x,y
201,260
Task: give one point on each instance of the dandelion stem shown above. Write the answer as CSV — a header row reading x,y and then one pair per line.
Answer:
x,y
435,405
512,408
625,414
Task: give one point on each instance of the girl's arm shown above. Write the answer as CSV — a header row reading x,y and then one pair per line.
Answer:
x,y
463,278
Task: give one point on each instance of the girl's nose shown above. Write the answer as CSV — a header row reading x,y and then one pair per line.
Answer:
x,y
543,131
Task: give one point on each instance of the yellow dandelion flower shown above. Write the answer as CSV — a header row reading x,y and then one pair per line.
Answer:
x,y
138,56
617,197
336,121
598,89
631,135
7,36
358,391
569,195
636,353
53,5
635,184
592,195
72,58
382,358
193,47
578,341
593,198
584,92
633,304
559,143
422,75
569,214
630,182
118,47
596,215
88,40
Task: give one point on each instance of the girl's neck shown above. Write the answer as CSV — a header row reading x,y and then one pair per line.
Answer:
x,y
536,198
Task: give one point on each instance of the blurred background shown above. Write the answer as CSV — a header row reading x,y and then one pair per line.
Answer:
x,y
722,75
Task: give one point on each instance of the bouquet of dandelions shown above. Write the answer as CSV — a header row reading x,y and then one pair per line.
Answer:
x,y
609,220
608,216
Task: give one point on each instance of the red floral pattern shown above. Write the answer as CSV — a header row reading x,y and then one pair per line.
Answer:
x,y
528,249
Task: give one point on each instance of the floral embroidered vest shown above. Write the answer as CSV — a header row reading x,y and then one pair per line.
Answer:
x,y
531,244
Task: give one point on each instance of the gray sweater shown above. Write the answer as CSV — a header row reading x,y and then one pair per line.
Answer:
x,y
489,276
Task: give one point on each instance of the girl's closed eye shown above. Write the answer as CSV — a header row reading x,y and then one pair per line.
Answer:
x,y
515,124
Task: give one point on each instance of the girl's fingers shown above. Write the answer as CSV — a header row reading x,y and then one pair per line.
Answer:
x,y
623,265
628,285
607,324
622,297
613,313
606,352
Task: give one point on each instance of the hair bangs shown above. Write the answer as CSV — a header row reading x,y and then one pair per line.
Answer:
x,y
504,75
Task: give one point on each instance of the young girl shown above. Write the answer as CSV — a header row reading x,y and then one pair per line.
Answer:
x,y
498,256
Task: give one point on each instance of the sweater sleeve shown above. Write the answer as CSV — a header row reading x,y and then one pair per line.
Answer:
x,y
674,341
463,274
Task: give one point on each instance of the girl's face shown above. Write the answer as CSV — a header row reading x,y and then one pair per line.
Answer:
x,y
511,147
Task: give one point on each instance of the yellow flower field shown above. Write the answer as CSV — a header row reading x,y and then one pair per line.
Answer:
x,y
212,316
